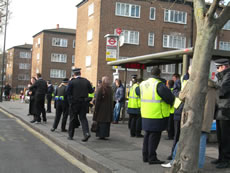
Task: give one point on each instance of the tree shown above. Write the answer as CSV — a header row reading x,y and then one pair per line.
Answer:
x,y
208,26
3,11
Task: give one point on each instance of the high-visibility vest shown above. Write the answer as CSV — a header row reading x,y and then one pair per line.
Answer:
x,y
152,105
134,99
172,110
177,100
91,95
61,98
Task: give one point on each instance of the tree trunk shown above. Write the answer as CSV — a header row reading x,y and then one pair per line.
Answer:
x,y
186,160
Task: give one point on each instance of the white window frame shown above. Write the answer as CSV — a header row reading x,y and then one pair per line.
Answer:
x,y
172,41
128,34
168,69
227,26
90,9
57,73
172,16
88,61
73,59
154,18
57,57
74,43
128,10
23,77
26,55
224,45
90,35
59,42
38,56
151,42
24,66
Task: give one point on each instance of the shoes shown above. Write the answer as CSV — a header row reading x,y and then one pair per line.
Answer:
x,y
52,130
169,158
156,162
168,138
139,136
145,160
223,165
167,165
103,138
132,136
33,121
28,114
115,122
70,138
64,130
48,111
45,122
38,122
217,161
86,137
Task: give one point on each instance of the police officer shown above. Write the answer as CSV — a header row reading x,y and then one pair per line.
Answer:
x,y
61,105
156,99
77,91
134,112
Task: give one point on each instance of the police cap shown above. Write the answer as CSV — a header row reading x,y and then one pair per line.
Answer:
x,y
220,62
134,76
66,80
76,70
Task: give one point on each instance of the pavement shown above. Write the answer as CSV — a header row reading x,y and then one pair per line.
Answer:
x,y
119,154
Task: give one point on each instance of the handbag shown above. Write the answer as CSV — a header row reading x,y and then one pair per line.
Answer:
x,y
94,127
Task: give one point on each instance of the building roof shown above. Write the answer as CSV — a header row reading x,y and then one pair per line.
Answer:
x,y
66,31
24,46
81,3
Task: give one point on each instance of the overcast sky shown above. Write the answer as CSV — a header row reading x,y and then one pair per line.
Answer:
x,y
31,16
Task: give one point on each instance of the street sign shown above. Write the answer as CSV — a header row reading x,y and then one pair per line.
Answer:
x,y
112,41
118,31
111,54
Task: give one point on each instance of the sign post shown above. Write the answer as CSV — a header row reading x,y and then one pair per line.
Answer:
x,y
112,47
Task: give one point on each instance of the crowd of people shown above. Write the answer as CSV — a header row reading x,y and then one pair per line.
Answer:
x,y
154,105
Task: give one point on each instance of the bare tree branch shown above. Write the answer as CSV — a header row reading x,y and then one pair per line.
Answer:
x,y
212,8
224,16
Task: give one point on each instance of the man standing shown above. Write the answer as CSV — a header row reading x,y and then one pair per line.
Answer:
x,y
49,96
77,91
40,88
156,99
7,89
223,113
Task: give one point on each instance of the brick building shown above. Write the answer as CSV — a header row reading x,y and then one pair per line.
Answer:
x,y
147,28
53,53
18,67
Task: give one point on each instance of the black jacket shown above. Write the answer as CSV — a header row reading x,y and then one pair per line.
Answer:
x,y
223,102
50,90
40,87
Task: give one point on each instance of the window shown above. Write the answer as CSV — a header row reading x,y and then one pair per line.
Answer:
x,y
39,40
88,61
152,13
74,42
73,59
151,39
224,46
23,77
227,26
128,10
38,56
59,42
56,73
21,86
90,35
24,66
91,9
131,37
168,68
25,55
55,57
175,16
37,70
174,41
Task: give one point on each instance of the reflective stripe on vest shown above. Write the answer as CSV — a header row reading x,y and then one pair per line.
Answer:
x,y
91,95
152,105
61,98
134,99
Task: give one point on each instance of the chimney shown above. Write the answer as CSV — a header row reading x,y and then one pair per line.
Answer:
x,y
57,26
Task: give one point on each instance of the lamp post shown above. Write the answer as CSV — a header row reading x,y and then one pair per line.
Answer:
x,y
4,51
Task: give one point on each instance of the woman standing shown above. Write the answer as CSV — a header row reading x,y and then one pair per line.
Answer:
x,y
103,113
32,107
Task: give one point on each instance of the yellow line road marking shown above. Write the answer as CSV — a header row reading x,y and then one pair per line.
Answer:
x,y
2,139
55,147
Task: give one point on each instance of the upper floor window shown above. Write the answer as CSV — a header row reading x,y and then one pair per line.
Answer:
x,y
90,9
152,13
170,68
23,77
131,37
74,42
174,41
60,42
227,26
25,55
175,16
57,73
151,39
88,61
55,57
24,66
90,35
128,10
224,45
38,56
73,59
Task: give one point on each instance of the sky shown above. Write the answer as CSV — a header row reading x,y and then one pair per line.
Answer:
x,y
32,16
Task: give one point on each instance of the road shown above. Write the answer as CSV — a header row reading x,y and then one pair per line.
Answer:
x,y
22,152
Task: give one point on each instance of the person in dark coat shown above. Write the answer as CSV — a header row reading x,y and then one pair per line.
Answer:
x,y
61,105
49,96
77,91
40,89
223,113
32,107
103,113
7,90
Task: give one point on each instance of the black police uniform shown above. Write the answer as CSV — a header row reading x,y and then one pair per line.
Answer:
x,y
77,91
61,105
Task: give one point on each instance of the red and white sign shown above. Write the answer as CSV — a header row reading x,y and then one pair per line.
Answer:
x,y
118,31
112,41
